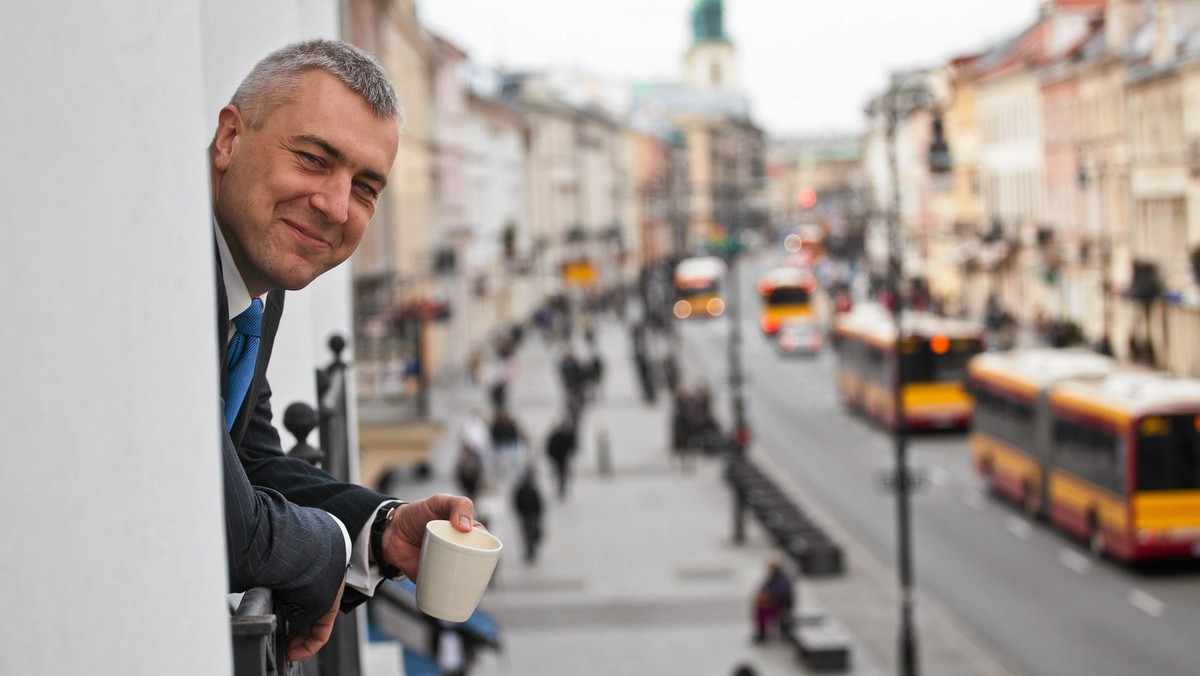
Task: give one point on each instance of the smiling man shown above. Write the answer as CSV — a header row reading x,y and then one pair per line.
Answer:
x,y
298,163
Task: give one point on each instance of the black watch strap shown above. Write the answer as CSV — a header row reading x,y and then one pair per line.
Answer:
x,y
382,518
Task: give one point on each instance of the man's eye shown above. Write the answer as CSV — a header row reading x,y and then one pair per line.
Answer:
x,y
366,189
309,158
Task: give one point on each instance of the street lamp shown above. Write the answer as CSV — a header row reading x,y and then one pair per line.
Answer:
x,y
735,214
939,162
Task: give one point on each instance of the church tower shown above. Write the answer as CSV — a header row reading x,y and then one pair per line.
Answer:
x,y
709,64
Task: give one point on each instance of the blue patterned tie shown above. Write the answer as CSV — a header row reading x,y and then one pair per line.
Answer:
x,y
240,357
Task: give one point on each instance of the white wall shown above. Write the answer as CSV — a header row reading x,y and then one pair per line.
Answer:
x,y
115,563
113,543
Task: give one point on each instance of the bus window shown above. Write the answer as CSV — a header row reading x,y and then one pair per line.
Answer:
x,y
1168,457
1089,453
921,364
699,290
788,295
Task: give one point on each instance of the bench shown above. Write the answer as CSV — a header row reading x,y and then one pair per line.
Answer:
x,y
822,644
816,554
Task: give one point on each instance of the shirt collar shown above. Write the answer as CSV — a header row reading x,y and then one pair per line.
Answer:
x,y
237,296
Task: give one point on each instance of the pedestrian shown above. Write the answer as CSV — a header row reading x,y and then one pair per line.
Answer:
x,y
682,421
451,651
645,375
297,166
468,470
560,447
573,377
773,602
527,502
595,374
507,443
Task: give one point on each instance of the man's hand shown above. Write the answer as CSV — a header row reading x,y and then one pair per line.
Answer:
x,y
402,539
306,644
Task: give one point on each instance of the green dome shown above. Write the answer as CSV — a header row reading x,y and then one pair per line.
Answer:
x,y
708,21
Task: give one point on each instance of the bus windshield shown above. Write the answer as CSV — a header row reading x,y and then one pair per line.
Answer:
x,y
788,295
698,289
921,364
1168,453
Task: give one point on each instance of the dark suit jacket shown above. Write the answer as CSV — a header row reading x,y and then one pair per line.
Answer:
x,y
278,531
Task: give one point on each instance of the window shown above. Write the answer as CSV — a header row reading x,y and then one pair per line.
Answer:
x,y
790,295
1005,418
1090,453
1168,457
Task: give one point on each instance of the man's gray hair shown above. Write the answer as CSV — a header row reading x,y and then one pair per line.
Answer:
x,y
274,80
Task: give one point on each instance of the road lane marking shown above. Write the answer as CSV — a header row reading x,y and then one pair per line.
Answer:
x,y
1147,603
974,500
1075,561
1019,527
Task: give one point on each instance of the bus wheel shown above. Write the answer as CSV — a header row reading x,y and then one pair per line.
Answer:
x,y
1095,537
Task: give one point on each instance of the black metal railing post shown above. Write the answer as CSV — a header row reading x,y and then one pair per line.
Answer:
x,y
257,635
340,656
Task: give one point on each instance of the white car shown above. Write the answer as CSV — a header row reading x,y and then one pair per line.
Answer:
x,y
799,338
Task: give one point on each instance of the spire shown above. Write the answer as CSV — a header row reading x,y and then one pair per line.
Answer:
x,y
708,22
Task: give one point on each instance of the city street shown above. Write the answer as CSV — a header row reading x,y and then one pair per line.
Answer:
x,y
1039,597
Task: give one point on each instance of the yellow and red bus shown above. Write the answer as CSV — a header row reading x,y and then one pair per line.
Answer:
x,y
698,287
934,351
787,296
1008,446
1122,457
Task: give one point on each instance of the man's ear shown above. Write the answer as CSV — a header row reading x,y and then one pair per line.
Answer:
x,y
230,127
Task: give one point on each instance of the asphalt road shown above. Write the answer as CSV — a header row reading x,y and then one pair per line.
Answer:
x,y
1038,596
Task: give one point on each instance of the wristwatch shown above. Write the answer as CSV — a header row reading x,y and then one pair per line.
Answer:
x,y
382,518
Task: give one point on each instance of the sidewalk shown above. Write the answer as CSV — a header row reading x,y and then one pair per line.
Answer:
x,y
637,573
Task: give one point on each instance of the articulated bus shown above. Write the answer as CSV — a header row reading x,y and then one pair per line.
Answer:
x,y
786,297
935,351
698,287
1110,456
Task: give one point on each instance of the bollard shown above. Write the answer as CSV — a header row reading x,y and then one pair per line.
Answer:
x,y
603,457
739,516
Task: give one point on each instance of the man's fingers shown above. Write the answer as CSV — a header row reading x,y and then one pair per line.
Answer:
x,y
303,646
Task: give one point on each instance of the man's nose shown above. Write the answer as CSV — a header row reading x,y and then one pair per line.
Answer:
x,y
333,200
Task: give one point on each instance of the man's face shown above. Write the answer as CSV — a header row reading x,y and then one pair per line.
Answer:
x,y
294,196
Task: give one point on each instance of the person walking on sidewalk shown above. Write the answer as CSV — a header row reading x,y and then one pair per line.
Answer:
x,y
297,167
527,502
508,441
560,448
468,471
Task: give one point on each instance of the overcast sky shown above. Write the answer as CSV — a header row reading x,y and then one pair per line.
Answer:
x,y
807,65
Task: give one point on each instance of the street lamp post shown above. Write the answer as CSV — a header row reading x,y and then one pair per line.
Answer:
x,y
736,380
939,162
736,214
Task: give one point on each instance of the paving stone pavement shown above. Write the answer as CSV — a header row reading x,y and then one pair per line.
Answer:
x,y
637,573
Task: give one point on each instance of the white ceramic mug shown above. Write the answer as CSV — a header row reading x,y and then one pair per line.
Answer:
x,y
455,569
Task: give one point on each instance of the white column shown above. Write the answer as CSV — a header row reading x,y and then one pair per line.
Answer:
x,y
114,543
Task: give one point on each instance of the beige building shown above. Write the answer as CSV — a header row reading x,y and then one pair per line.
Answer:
x,y
1103,133
1164,163
393,265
